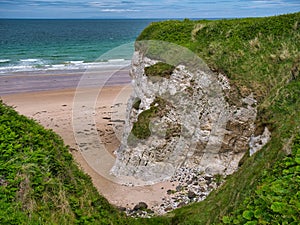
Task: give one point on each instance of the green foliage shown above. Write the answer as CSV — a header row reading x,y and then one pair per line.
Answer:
x,y
260,56
218,178
276,197
41,184
136,104
159,69
256,54
171,31
141,128
39,181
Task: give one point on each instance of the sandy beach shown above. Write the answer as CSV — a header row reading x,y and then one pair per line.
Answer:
x,y
52,106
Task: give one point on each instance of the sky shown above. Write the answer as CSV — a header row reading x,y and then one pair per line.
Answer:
x,y
145,9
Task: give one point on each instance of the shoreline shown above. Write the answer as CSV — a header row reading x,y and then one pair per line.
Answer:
x,y
52,108
24,82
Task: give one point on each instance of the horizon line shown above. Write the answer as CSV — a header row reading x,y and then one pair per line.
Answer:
x,y
141,18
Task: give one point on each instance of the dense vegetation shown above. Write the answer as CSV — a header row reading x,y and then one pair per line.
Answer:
x,y
260,56
39,180
40,183
277,199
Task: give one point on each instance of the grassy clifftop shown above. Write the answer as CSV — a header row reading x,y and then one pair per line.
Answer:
x,y
259,56
41,184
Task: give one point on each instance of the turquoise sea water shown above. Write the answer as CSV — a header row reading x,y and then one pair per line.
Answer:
x,y
49,45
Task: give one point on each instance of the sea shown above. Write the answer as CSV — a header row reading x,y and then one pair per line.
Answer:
x,y
50,45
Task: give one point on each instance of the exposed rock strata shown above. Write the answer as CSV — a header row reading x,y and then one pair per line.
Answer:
x,y
193,126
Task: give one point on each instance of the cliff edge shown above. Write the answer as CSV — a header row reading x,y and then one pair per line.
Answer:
x,y
181,115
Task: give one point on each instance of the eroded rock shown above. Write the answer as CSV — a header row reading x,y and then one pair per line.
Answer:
x,y
184,120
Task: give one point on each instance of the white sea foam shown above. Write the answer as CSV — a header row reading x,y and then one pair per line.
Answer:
x,y
74,62
29,60
116,60
4,60
28,65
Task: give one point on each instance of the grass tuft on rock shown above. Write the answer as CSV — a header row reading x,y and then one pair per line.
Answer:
x,y
141,128
160,69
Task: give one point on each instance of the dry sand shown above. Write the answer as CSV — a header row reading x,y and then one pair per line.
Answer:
x,y
53,109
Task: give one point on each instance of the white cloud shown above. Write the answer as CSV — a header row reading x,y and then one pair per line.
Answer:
x,y
146,8
272,3
119,10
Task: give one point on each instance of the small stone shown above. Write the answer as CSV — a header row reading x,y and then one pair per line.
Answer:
x,y
208,178
191,194
202,195
140,206
169,191
168,208
179,188
150,211
202,189
181,204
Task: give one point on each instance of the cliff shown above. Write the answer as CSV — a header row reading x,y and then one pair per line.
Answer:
x,y
181,115
253,58
253,66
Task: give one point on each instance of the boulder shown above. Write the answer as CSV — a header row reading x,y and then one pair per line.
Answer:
x,y
140,206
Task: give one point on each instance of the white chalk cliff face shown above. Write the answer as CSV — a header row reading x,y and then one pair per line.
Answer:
x,y
182,120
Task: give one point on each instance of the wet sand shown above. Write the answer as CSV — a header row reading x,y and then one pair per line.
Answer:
x,y
23,82
52,106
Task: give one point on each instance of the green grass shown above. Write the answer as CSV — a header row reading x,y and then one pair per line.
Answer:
x,y
41,184
276,198
260,56
256,54
140,129
159,69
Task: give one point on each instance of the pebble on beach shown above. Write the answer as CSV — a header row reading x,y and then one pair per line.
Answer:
x,y
193,186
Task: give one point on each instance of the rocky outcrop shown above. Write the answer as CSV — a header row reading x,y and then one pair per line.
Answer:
x,y
179,115
257,142
189,185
